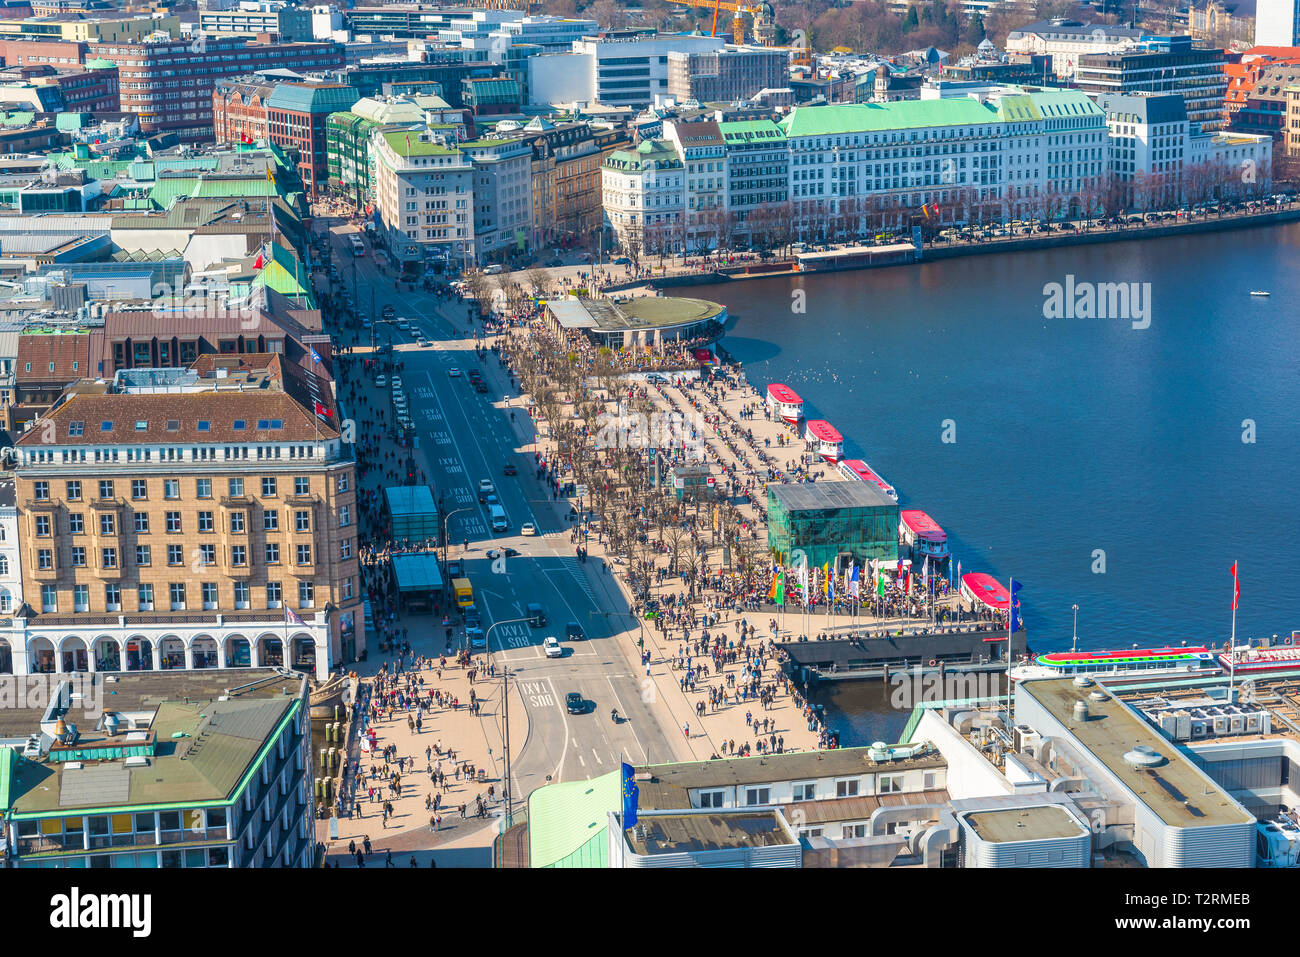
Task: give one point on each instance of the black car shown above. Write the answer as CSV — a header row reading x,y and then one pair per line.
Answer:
x,y
389,312
573,632
574,703
480,385
509,470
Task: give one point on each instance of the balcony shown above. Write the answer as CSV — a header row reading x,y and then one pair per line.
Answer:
x,y
103,504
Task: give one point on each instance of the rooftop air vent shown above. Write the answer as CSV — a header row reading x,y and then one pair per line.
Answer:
x,y
1083,681
1142,756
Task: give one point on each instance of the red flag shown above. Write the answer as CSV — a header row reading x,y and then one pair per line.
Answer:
x,y
321,410
1236,587
259,263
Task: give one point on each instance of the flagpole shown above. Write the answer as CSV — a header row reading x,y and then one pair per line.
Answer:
x,y
1011,599
1232,647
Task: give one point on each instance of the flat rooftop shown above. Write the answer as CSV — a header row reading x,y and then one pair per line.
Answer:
x,y
1176,791
1008,825
715,831
641,312
199,748
807,496
796,766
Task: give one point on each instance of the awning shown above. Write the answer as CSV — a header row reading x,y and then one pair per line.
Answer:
x,y
417,572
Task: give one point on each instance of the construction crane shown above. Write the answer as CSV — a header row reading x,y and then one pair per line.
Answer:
x,y
762,14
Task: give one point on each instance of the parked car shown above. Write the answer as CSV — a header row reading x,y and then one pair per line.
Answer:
x,y
494,270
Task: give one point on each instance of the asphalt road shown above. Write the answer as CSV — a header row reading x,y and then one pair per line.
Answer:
x,y
462,437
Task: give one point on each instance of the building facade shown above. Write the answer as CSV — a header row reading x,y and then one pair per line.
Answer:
x,y
168,84
1065,42
758,169
726,76
704,156
1169,65
190,521
644,192
296,115
503,195
1277,23
424,189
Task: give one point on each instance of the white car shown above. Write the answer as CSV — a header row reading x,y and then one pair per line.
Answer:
x,y
403,323
397,382
381,381
453,372
528,528
552,647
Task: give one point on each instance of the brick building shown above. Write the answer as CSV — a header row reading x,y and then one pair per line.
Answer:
x,y
239,108
296,121
169,83
188,519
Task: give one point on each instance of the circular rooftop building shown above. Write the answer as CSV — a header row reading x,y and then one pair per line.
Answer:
x,y
640,321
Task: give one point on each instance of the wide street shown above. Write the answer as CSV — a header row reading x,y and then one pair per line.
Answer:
x,y
462,437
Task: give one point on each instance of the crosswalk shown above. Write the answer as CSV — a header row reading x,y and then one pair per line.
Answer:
x,y
574,568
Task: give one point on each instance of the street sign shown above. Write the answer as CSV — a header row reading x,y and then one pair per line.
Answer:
x,y
580,491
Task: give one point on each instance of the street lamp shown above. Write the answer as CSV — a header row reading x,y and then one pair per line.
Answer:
x,y
446,519
1074,645
507,794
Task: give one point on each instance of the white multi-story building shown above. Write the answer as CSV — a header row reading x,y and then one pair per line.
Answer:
x,y
503,206
1277,23
617,69
1067,40
644,195
1158,159
704,154
424,187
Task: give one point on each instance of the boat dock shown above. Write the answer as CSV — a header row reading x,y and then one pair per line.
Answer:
x,y
863,658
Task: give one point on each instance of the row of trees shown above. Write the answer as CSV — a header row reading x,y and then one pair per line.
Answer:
x,y
636,517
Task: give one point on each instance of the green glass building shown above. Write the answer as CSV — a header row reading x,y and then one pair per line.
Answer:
x,y
830,521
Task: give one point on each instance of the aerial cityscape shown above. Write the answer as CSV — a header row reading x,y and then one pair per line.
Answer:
x,y
664,433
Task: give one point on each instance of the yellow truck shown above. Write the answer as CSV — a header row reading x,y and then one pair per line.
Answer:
x,y
464,592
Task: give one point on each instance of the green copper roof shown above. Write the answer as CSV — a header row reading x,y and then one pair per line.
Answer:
x,y
397,140
877,117
747,131
568,822
311,98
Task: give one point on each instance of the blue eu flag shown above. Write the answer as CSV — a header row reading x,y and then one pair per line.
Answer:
x,y
630,794
1014,605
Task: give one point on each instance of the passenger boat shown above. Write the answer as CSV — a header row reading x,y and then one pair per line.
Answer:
x,y
1136,662
1259,292
785,402
858,469
824,439
922,535
984,589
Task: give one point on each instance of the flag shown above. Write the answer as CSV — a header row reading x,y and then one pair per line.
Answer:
x,y
855,586
925,573
1236,587
803,581
270,174
907,588
323,412
926,210
880,585
630,794
1013,607
291,617
778,586
259,263
830,584
315,357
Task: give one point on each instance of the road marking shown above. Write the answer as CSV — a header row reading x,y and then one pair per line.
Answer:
x,y
596,756
573,567
627,718
583,763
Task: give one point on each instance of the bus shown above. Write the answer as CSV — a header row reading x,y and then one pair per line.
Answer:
x,y
358,247
464,592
